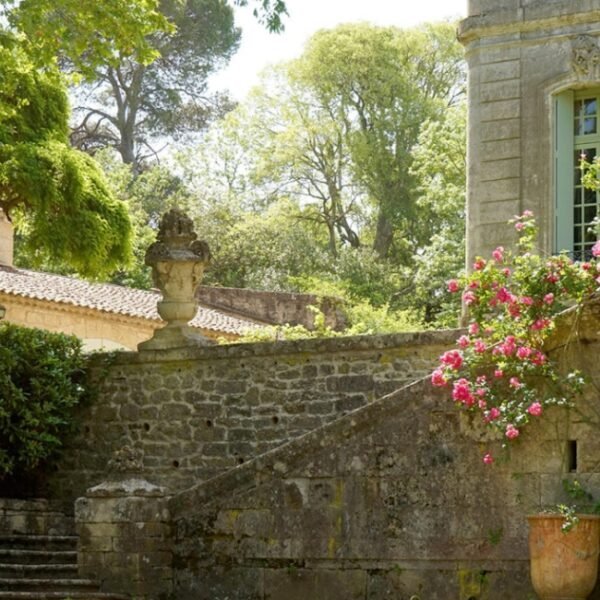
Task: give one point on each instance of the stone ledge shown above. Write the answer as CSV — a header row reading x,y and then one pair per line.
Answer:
x,y
540,15
313,345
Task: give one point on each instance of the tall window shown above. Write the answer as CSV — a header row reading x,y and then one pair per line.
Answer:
x,y
577,136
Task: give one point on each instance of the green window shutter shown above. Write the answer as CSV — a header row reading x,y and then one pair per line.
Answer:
x,y
564,171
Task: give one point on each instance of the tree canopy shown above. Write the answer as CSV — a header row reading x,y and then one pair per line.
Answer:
x,y
58,193
128,103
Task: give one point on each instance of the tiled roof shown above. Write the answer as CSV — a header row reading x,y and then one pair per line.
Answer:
x,y
107,298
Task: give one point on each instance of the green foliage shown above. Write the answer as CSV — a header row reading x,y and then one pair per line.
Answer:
x,y
84,33
440,170
382,84
42,380
52,189
128,103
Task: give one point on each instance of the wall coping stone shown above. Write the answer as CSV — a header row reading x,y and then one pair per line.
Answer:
x,y
128,487
311,345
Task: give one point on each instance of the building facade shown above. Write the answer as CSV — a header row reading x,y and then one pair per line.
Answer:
x,y
534,94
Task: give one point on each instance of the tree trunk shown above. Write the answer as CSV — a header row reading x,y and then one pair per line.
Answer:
x,y
384,236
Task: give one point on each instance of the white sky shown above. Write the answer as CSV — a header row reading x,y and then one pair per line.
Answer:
x,y
260,48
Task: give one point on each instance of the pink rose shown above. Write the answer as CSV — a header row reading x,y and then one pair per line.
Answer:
x,y
463,341
498,254
519,226
526,300
527,214
498,373
473,328
535,409
515,383
552,278
549,298
438,379
511,432
596,249
494,413
488,459
461,392
523,352
479,264
453,286
452,358
479,346
469,298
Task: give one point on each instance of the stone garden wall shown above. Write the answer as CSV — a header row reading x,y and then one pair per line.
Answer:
x,y
197,413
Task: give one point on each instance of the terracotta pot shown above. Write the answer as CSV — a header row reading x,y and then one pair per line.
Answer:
x,y
564,566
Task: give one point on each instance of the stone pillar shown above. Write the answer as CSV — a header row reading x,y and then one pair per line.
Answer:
x,y
124,533
6,240
178,261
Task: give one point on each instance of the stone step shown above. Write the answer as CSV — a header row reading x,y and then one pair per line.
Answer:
x,y
37,557
64,586
38,542
60,596
34,517
41,571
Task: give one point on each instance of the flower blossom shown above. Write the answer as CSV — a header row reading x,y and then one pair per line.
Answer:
x,y
504,296
473,328
519,226
535,409
549,298
494,413
596,249
527,300
514,382
452,359
461,392
453,286
498,254
469,298
488,459
479,264
540,324
463,341
479,346
524,352
438,379
511,432
498,373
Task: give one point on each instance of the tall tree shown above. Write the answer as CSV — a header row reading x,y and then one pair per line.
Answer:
x,y
382,84
130,104
133,106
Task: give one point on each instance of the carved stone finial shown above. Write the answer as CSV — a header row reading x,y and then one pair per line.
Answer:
x,y
126,461
586,56
178,261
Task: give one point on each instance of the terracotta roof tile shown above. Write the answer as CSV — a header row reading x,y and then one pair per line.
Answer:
x,y
108,298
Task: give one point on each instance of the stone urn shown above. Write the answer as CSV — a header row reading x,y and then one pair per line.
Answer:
x,y
564,565
178,261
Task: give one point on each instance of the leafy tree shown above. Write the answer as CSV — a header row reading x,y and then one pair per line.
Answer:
x,y
440,168
381,84
130,104
57,194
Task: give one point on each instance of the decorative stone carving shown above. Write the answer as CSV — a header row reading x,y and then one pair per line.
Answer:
x,y
586,57
178,261
127,461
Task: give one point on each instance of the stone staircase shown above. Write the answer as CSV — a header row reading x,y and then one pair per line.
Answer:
x,y
38,555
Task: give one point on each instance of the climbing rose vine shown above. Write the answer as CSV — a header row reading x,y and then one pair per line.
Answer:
x,y
499,369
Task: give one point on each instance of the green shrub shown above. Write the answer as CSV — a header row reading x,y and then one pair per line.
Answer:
x,y
42,380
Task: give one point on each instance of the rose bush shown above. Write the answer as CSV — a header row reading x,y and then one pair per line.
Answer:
x,y
499,369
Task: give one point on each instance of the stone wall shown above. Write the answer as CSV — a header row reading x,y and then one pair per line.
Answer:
x,y
198,413
275,308
391,501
